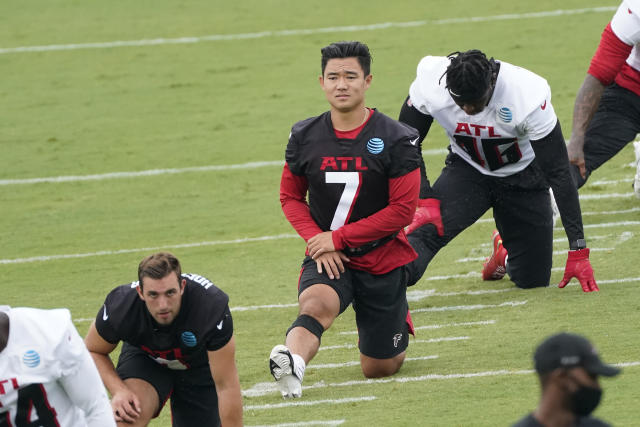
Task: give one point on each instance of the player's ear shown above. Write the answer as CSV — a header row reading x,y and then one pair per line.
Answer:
x,y
321,80
139,291
183,283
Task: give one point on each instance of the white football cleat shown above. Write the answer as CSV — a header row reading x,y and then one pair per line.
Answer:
x,y
636,180
287,373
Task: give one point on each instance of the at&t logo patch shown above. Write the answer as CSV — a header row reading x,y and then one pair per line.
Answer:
x,y
31,358
505,115
375,145
189,339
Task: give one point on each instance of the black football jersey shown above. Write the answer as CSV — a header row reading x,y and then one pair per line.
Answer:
x,y
203,324
348,178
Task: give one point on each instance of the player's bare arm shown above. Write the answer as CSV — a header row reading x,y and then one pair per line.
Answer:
x,y
225,375
124,402
584,108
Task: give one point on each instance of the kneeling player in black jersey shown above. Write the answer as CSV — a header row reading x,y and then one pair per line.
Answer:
x,y
178,342
360,170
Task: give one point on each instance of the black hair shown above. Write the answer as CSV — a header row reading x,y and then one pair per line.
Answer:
x,y
469,74
351,49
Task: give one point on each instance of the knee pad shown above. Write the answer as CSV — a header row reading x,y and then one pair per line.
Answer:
x,y
309,323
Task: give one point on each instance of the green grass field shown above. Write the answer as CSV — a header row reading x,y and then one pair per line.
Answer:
x,y
189,109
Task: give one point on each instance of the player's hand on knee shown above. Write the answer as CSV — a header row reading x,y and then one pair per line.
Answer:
x,y
427,212
319,244
126,406
578,266
332,263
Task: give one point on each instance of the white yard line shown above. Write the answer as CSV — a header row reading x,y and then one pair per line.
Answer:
x,y
44,258
299,32
436,326
588,213
357,362
262,307
624,211
156,172
559,252
439,340
609,224
418,295
611,181
137,174
308,403
604,282
262,389
607,196
306,423
150,249
468,307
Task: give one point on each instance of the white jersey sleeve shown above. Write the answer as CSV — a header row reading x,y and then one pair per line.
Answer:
x,y
81,381
425,91
541,121
625,25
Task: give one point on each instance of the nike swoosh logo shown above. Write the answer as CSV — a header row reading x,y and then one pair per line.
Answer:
x,y
105,316
543,106
219,325
413,141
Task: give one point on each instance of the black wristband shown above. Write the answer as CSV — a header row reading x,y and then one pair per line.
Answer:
x,y
578,244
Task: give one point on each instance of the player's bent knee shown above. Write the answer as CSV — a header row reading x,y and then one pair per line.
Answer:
x,y
531,285
379,368
309,323
529,282
148,398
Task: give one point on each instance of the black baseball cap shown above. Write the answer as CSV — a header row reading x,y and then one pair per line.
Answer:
x,y
567,351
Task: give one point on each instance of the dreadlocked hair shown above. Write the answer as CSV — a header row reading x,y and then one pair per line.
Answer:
x,y
469,74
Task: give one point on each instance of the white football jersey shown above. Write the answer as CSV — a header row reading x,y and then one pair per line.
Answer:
x,y
496,141
48,375
626,25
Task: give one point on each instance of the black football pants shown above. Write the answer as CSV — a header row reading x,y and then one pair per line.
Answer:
x,y
614,125
521,208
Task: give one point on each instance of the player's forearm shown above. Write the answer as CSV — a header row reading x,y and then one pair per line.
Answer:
x,y
299,216
230,405
108,373
293,192
422,123
585,106
552,157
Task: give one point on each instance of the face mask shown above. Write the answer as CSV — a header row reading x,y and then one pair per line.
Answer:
x,y
585,400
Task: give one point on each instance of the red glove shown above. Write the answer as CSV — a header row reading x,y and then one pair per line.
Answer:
x,y
427,212
578,266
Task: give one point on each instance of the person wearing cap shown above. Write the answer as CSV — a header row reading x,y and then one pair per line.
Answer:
x,y
568,367
506,150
